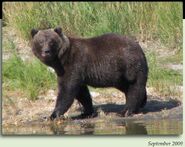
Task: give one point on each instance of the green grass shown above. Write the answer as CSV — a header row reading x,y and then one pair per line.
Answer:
x,y
30,77
164,80
146,20
177,58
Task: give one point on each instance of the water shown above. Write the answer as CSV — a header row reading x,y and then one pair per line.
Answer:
x,y
100,126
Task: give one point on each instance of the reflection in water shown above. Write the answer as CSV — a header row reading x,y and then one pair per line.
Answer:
x,y
134,129
73,128
98,127
114,127
88,129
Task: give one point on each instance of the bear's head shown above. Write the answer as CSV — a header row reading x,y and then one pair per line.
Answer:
x,y
49,44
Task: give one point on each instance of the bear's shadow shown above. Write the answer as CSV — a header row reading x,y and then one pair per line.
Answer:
x,y
155,105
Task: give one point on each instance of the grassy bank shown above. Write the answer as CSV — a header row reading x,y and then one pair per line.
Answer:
x,y
148,21
28,77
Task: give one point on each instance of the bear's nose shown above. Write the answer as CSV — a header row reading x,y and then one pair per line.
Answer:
x,y
47,51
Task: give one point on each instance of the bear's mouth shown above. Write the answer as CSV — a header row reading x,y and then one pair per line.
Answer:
x,y
45,55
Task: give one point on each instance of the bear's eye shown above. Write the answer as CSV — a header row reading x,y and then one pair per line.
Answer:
x,y
39,44
53,44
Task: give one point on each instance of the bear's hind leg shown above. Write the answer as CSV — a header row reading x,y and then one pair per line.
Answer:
x,y
144,98
135,99
84,98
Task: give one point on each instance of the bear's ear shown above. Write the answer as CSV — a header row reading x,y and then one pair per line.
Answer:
x,y
58,30
34,32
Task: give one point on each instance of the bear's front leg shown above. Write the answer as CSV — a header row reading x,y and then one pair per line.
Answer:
x,y
63,102
66,94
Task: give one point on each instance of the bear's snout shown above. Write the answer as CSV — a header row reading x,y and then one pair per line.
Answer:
x,y
46,52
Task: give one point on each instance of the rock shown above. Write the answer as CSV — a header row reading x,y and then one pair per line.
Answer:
x,y
94,94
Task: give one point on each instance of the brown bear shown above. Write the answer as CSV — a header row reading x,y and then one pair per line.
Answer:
x,y
109,60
